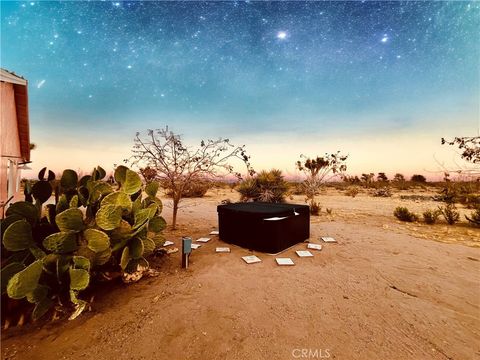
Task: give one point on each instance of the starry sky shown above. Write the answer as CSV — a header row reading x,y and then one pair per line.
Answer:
x,y
381,81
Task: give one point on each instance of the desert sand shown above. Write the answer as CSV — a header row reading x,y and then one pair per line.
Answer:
x,y
385,290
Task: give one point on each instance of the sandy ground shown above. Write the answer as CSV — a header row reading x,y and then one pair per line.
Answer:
x,y
386,290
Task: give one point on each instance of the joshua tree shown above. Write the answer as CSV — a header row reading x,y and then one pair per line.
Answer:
x,y
319,170
382,177
367,179
178,166
399,177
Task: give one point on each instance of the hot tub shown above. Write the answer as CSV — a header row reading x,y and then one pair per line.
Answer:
x,y
264,227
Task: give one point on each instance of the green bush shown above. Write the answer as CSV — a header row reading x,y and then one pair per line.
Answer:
x,y
94,226
430,216
403,214
450,213
267,186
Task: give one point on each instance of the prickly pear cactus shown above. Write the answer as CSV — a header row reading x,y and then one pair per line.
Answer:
x,y
93,226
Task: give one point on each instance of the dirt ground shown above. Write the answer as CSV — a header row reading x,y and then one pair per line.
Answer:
x,y
385,290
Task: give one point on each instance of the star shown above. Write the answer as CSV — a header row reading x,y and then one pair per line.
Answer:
x,y
384,39
281,35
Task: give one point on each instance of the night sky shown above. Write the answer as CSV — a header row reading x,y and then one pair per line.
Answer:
x,y
382,81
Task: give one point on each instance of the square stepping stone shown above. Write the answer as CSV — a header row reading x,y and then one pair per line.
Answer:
x,y
222,250
203,240
328,239
304,253
251,259
284,261
314,246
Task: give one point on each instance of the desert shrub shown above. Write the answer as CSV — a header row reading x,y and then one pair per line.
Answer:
x,y
315,208
450,213
49,258
195,189
248,189
403,214
353,191
471,201
297,189
418,178
329,211
474,217
430,216
382,192
350,179
266,186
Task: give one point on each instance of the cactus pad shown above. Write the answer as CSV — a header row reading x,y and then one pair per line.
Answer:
x,y
69,179
141,218
8,271
157,224
42,190
152,188
120,174
62,204
37,295
109,217
79,279
148,246
80,262
120,199
97,240
25,281
24,209
136,248
70,220
132,182
61,242
18,236
74,201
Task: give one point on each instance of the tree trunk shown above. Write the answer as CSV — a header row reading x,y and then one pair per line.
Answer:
x,y
175,210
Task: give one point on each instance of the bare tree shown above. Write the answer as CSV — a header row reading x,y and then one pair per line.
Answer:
x,y
470,153
470,147
177,166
